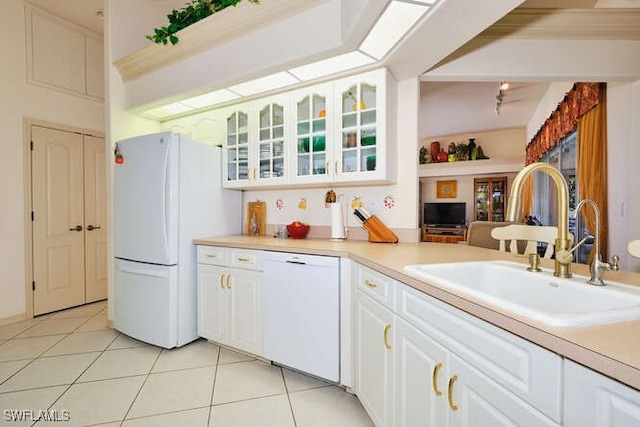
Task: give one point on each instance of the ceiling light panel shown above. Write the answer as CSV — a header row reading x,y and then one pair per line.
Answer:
x,y
168,110
210,99
264,84
333,65
393,24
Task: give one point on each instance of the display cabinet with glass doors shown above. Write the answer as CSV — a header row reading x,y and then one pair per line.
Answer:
x,y
490,197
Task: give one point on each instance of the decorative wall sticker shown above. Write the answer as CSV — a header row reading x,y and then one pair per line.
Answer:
x,y
356,202
329,197
302,204
389,202
279,204
118,155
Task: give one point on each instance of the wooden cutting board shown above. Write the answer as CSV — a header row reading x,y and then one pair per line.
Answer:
x,y
257,210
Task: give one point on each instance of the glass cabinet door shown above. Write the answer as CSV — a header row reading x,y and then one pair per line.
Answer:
x,y
271,142
311,136
359,125
237,146
490,195
498,189
482,200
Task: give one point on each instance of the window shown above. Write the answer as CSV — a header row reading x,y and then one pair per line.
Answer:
x,y
563,158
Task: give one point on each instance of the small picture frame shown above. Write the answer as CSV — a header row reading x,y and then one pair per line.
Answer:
x,y
447,189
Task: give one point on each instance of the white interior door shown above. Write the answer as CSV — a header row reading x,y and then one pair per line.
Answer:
x,y
58,222
95,215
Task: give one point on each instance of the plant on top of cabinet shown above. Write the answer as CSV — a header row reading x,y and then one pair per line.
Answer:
x,y
194,11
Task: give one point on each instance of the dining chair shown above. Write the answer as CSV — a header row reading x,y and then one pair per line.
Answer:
x,y
530,234
634,248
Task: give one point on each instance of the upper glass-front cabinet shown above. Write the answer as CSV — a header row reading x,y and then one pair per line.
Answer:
x,y
271,150
237,147
362,122
312,151
328,133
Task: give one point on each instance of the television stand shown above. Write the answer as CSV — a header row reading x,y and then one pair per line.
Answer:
x,y
444,234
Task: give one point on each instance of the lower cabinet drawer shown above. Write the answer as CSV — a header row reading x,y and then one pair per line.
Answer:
x,y
212,255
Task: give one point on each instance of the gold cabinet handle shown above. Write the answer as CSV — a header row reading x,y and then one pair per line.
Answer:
x,y
209,256
221,281
434,379
243,259
452,380
228,281
385,336
335,167
370,283
326,168
255,174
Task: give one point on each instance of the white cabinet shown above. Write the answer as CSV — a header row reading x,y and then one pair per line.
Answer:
x,y
420,362
421,375
335,132
593,400
229,295
374,343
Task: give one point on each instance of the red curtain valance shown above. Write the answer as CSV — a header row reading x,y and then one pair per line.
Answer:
x,y
580,99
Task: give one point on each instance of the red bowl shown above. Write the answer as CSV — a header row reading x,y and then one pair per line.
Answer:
x,y
298,231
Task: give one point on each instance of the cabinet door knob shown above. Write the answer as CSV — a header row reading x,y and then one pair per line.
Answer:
x,y
221,281
91,227
385,336
228,281
452,380
370,283
434,379
76,228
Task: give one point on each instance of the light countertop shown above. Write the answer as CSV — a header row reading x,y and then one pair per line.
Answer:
x,y
611,349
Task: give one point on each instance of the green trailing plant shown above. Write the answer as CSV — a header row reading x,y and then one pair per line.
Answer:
x,y
194,11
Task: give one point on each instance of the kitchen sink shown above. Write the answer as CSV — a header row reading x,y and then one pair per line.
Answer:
x,y
538,296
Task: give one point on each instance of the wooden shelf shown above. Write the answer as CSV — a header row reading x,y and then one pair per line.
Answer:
x,y
472,167
217,29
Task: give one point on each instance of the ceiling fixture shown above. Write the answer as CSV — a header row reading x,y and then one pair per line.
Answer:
x,y
499,99
504,85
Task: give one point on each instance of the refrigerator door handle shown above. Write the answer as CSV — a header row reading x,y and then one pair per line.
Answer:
x,y
167,198
141,271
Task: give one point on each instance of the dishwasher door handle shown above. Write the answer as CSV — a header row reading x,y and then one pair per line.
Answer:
x,y
297,262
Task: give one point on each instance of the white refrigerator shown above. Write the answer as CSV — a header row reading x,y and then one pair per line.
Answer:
x,y
167,192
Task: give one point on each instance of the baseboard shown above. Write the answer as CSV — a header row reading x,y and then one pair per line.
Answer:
x,y
13,319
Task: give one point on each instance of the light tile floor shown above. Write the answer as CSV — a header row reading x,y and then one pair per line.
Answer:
x,y
70,361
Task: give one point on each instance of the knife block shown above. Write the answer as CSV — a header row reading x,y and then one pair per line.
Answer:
x,y
378,232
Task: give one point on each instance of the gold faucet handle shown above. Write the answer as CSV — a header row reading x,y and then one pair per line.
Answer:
x,y
534,262
564,257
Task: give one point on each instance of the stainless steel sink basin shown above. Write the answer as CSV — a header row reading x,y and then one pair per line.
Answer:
x,y
539,296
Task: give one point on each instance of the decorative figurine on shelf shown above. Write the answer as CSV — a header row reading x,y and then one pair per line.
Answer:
x,y
452,148
462,152
423,155
481,155
442,155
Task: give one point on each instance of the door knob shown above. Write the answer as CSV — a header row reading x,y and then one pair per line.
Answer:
x,y
76,228
91,227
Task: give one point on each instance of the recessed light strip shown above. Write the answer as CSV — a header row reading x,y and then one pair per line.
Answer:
x,y
396,20
333,65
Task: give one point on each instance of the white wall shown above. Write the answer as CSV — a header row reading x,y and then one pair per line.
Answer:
x,y
22,100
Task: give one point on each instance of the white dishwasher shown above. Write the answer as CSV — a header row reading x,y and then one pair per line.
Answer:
x,y
301,312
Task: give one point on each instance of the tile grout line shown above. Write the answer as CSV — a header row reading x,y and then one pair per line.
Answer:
x,y
286,389
213,387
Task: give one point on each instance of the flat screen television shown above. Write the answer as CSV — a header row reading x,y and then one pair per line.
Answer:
x,y
445,214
